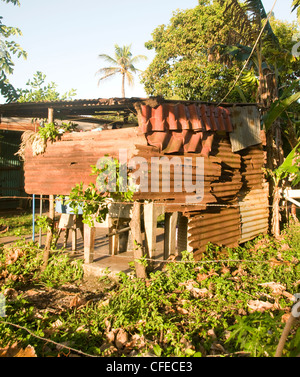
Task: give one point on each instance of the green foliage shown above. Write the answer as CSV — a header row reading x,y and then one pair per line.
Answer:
x,y
39,91
15,2
94,200
186,64
90,201
20,266
43,222
50,131
7,49
18,225
61,271
256,333
290,168
189,309
202,50
296,5
278,107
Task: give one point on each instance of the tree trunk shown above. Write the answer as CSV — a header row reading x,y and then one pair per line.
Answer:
x,y
291,134
135,225
267,94
123,85
276,217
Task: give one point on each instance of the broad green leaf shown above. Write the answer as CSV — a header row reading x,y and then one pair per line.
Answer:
x,y
278,108
289,166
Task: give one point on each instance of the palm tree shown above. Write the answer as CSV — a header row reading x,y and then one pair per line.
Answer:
x,y
122,63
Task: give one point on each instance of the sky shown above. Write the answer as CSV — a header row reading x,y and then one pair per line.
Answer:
x,y
63,38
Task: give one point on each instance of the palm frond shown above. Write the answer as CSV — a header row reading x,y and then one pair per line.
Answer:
x,y
138,58
108,70
248,14
295,5
130,78
107,73
122,52
108,59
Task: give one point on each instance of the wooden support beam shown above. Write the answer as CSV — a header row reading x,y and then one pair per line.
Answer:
x,y
89,242
183,233
114,240
151,213
138,253
170,234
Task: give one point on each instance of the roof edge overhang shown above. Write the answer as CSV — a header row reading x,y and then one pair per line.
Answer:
x,y
93,106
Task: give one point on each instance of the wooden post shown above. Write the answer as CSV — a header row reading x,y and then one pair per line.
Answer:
x,y
89,242
138,253
74,235
113,240
151,213
183,234
51,210
170,234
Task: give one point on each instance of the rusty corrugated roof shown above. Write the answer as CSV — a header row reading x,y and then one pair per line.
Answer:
x,y
183,127
66,108
179,117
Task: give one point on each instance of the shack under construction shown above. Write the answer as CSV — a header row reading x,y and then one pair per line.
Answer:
x,y
235,206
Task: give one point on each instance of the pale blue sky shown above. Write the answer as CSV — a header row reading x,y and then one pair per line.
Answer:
x,y
64,37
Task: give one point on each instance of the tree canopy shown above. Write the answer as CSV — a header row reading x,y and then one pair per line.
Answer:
x,y
201,51
8,48
40,91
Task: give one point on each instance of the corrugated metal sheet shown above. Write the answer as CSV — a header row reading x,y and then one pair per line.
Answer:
x,y
219,226
18,124
176,130
96,105
176,201
230,183
253,160
64,108
254,209
246,127
67,162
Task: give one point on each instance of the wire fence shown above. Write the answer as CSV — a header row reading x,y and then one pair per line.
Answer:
x,y
165,261
247,204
